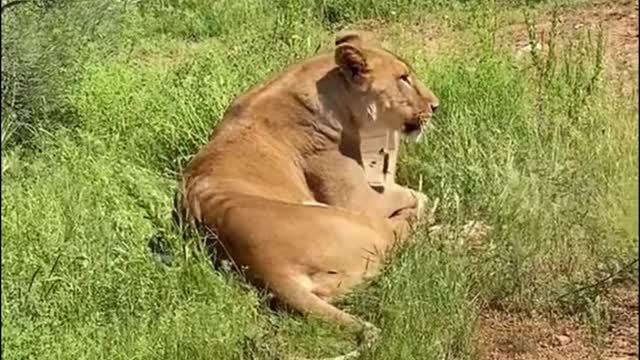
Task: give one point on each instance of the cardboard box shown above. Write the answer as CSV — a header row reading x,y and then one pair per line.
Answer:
x,y
379,149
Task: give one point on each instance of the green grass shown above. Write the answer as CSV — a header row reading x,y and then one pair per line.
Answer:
x,y
542,153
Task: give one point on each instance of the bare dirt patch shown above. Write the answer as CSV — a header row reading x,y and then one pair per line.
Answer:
x,y
437,33
618,19
505,336
622,342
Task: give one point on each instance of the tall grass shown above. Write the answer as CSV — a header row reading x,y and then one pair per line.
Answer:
x,y
546,155
44,45
548,160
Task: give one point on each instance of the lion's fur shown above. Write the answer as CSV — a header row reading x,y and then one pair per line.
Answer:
x,y
281,180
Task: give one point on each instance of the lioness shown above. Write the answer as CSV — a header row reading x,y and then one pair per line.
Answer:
x,y
282,185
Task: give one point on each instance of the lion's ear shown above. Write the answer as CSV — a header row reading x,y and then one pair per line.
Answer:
x,y
350,37
352,62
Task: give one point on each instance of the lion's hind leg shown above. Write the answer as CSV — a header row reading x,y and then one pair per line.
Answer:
x,y
296,291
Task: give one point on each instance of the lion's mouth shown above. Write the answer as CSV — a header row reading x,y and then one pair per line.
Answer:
x,y
413,130
411,127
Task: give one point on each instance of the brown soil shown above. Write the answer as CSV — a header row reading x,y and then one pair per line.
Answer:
x,y
622,340
618,19
506,336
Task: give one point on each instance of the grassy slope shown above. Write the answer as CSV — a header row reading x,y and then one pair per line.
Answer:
x,y
80,203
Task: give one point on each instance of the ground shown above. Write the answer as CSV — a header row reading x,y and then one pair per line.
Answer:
x,y
618,18
503,335
508,336
622,338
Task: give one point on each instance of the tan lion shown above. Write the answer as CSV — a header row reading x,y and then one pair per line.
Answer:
x,y
282,185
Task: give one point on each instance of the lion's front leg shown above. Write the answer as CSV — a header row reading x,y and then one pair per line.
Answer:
x,y
408,203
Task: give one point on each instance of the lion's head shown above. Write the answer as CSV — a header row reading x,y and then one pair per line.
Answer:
x,y
385,90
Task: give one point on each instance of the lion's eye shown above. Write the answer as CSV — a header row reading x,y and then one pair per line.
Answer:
x,y
406,79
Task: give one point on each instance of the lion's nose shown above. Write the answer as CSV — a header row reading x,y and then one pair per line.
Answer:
x,y
434,107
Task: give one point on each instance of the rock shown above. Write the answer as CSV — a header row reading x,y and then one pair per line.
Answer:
x,y
561,340
527,49
475,231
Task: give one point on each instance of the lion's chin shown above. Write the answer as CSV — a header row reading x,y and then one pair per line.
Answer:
x,y
412,132
413,136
